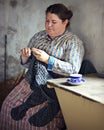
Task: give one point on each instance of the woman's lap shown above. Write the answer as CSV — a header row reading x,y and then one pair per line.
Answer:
x,y
17,96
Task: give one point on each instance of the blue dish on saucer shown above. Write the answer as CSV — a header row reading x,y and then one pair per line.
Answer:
x,y
75,79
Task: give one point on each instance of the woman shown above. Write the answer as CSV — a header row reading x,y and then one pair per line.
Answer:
x,y
51,53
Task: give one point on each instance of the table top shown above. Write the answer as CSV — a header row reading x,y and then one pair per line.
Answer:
x,y
92,88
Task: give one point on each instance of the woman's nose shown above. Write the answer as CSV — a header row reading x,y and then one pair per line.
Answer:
x,y
50,24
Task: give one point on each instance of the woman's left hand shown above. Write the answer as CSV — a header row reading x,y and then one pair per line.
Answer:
x,y
40,55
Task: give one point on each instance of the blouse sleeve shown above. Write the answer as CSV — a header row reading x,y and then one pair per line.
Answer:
x,y
72,59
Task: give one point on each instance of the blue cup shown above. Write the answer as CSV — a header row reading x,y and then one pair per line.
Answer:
x,y
75,78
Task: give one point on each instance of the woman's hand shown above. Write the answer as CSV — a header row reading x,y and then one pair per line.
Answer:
x,y
40,55
25,53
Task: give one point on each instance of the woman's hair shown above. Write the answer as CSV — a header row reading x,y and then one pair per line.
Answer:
x,y
61,11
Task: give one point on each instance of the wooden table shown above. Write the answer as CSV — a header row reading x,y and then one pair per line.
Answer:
x,y
82,106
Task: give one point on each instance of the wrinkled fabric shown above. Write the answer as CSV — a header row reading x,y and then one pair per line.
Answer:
x,y
16,97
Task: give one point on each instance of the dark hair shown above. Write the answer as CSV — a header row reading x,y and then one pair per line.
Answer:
x,y
60,10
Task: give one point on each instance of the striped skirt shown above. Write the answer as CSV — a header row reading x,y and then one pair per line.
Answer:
x,y
16,97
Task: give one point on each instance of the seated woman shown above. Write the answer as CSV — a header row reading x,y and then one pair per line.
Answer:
x,y
52,53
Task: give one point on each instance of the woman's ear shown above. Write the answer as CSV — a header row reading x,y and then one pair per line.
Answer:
x,y
66,22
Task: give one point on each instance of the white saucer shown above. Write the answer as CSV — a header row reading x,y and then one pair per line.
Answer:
x,y
75,84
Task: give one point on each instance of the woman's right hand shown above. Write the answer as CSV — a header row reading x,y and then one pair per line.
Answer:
x,y
25,53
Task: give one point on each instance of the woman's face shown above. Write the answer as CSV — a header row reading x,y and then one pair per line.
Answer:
x,y
54,25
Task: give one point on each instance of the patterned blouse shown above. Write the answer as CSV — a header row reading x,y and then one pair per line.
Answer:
x,y
66,51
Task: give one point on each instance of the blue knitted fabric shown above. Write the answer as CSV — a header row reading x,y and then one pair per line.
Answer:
x,y
37,73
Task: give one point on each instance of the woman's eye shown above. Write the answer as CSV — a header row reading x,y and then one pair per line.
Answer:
x,y
54,22
47,21
50,22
